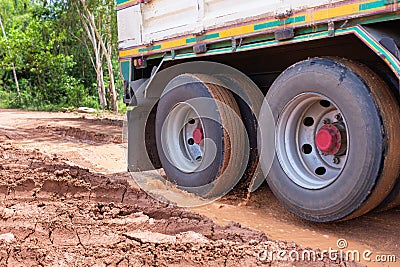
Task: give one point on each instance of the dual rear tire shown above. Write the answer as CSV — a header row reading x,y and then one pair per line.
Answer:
x,y
337,138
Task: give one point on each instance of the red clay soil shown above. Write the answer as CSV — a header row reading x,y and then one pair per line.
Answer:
x,y
52,213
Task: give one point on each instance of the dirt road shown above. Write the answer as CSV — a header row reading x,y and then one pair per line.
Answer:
x,y
54,211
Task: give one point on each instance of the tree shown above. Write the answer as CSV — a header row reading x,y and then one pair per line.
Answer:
x,y
64,53
96,56
100,36
12,63
33,43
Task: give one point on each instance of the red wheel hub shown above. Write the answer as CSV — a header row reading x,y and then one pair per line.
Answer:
x,y
328,139
198,135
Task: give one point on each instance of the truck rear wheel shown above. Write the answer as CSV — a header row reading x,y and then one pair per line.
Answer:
x,y
199,141
337,139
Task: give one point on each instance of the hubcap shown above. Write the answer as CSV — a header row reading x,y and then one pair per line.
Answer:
x,y
312,141
198,135
183,138
328,139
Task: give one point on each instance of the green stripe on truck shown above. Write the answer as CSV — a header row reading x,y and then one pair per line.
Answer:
x,y
373,5
125,69
120,2
278,23
147,49
202,38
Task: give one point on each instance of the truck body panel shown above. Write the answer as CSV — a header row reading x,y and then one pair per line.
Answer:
x,y
161,26
163,19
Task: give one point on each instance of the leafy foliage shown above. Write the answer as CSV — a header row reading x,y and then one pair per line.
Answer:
x,y
46,42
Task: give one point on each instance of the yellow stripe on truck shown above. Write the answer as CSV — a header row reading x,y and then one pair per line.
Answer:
x,y
304,18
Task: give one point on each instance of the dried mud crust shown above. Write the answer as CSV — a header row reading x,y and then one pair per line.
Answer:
x,y
52,213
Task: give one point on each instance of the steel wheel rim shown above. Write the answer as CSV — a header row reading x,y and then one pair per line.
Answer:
x,y
183,137
299,130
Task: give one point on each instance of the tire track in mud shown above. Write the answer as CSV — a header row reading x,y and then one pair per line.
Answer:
x,y
78,134
52,213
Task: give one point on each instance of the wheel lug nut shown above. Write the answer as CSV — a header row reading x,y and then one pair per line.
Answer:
x,y
336,160
326,121
338,117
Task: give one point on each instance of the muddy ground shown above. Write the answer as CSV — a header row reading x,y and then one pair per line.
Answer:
x,y
65,199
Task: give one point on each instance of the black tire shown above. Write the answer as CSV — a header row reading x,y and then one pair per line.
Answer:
x,y
250,122
217,178
393,200
371,114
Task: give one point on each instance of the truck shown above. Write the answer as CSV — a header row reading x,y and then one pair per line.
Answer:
x,y
304,92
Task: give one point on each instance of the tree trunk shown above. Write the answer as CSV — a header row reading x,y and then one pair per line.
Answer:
x,y
100,76
113,93
12,63
101,88
110,68
107,53
97,59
